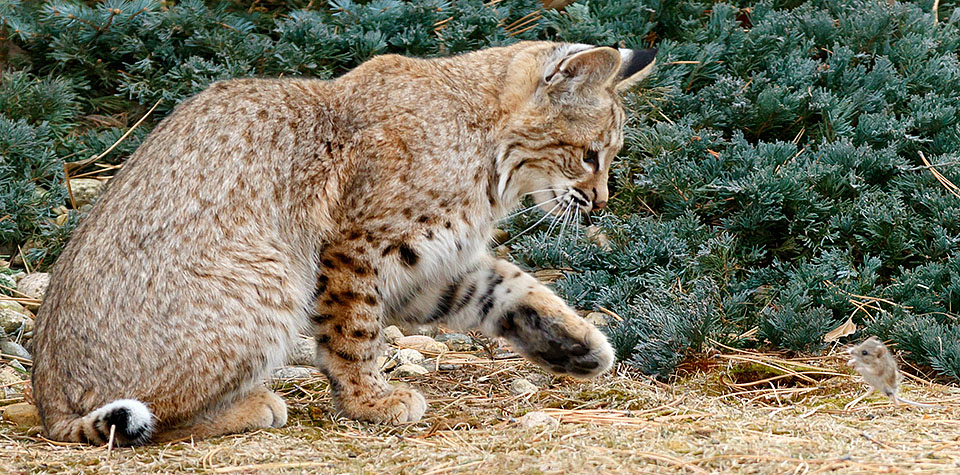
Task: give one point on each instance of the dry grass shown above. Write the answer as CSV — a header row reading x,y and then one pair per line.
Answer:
x,y
734,411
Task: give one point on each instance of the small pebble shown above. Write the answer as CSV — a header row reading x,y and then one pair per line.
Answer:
x,y
597,318
538,418
458,342
292,372
539,380
11,305
408,356
34,285
521,386
11,321
407,370
9,376
8,347
391,334
421,343
595,235
386,363
85,190
303,352
22,414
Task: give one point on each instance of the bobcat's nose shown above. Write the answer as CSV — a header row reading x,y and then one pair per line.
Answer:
x,y
597,205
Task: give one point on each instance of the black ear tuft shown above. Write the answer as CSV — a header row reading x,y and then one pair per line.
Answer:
x,y
635,65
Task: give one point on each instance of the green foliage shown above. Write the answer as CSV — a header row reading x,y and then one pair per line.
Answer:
x,y
771,169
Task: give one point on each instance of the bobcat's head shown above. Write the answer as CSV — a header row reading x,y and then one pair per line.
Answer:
x,y
564,123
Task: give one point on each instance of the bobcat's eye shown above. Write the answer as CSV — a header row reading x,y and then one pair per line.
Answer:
x,y
591,158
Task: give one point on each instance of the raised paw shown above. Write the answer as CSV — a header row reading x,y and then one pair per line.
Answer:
x,y
554,337
397,406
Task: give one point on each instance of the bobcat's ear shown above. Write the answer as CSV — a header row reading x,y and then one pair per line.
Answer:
x,y
635,65
586,69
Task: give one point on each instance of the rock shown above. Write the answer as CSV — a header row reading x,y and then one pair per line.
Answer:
x,y
500,236
18,367
597,318
11,321
303,352
391,334
34,285
421,343
458,342
408,356
292,372
9,375
521,386
13,349
385,363
537,419
11,381
539,380
595,235
22,414
85,190
408,370
11,305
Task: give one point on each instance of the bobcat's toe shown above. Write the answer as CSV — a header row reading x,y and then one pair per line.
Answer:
x,y
399,405
563,344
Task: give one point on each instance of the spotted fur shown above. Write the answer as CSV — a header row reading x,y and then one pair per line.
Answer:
x,y
260,208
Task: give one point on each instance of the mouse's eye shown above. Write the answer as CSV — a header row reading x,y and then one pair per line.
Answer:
x,y
864,352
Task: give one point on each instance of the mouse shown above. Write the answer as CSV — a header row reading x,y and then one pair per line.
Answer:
x,y
874,361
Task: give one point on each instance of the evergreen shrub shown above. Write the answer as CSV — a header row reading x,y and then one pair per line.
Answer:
x,y
770,186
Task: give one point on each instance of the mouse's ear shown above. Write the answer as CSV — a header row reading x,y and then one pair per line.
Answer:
x,y
881,350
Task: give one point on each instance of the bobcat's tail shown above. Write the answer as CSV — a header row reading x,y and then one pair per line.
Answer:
x,y
131,420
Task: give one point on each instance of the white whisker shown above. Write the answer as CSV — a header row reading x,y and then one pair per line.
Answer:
x,y
518,213
566,216
556,218
532,225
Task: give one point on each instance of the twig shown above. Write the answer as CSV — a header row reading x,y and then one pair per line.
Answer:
x,y
82,163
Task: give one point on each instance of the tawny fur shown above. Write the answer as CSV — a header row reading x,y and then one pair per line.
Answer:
x,y
260,208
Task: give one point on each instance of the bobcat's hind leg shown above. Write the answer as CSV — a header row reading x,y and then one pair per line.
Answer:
x,y
506,302
347,321
259,409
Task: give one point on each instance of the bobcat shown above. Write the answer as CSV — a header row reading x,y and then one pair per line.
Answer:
x,y
260,208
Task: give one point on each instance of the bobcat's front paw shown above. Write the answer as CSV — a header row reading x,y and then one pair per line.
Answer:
x,y
397,406
554,337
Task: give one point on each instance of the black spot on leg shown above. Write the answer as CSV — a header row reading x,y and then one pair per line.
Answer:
x,y
369,300
335,386
408,256
429,234
321,287
323,340
344,259
343,355
320,318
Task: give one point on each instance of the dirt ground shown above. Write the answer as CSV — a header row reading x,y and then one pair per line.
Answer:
x,y
734,411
